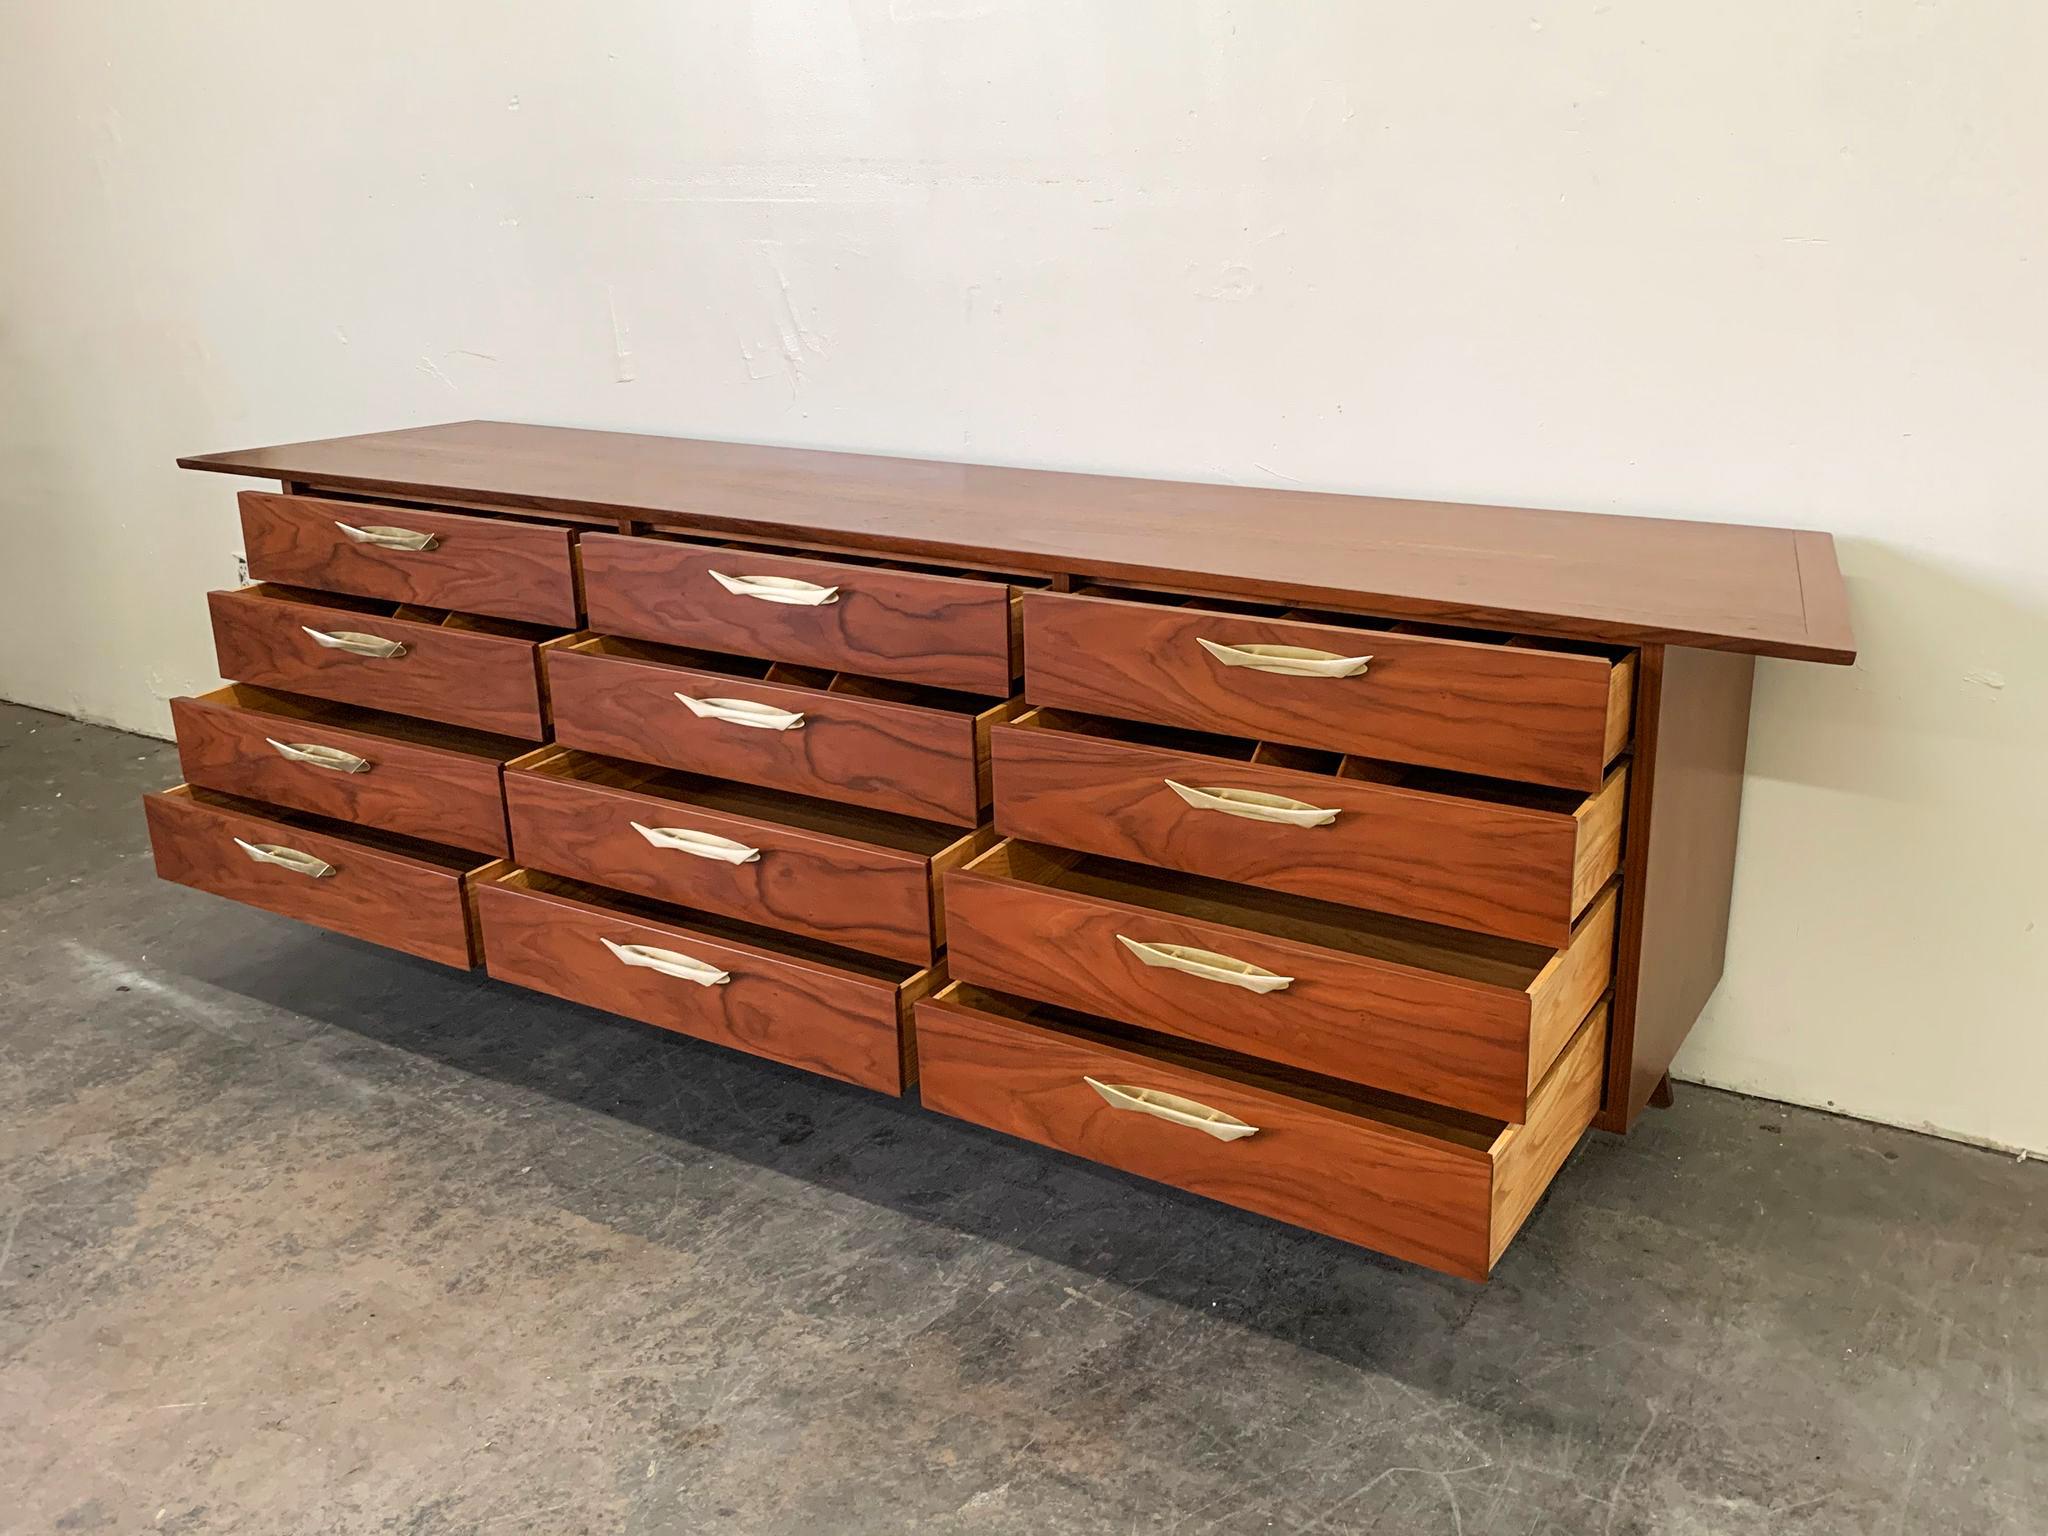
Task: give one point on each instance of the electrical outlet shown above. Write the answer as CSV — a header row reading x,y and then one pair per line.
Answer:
x,y
241,569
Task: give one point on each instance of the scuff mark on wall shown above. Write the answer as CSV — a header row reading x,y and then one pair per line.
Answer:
x,y
432,370
793,337
622,354
901,11
1235,281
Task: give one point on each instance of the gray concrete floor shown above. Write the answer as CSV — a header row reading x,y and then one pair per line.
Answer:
x,y
299,1236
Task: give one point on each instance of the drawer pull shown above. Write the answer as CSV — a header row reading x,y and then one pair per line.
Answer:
x,y
1289,660
704,845
355,644
388,538
778,589
1254,805
1208,965
763,717
313,755
668,962
286,858
1172,1107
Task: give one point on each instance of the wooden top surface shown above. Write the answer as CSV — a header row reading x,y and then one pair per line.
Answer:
x,y
1721,586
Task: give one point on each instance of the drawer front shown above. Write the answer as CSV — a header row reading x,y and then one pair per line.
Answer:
x,y
1401,1028
484,681
800,1013
1388,1187
385,898
511,570
1498,710
893,757
1467,863
914,627
869,898
418,791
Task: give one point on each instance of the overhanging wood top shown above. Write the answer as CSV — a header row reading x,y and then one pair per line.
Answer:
x,y
1720,586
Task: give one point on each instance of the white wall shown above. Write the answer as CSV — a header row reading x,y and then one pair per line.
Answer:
x,y
1768,262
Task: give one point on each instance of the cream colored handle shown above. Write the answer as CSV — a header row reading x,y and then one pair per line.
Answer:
x,y
354,644
388,538
778,589
1254,805
313,755
286,858
1290,660
668,962
1208,965
705,845
763,717
1174,1108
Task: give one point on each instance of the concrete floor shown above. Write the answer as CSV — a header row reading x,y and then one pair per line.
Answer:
x,y
300,1236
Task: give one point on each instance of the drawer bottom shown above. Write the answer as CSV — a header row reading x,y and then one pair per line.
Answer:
x,y
1435,1186
388,890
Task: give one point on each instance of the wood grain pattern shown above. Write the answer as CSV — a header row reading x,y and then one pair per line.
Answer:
x,y
1504,711
514,570
574,815
911,626
1457,1021
790,1007
444,790
1679,864
912,759
467,677
1773,592
405,898
1494,865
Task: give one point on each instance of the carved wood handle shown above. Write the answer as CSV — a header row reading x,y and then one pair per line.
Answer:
x,y
1172,1107
704,845
1289,660
1254,805
763,717
286,858
668,962
777,589
313,755
355,644
388,538
1208,965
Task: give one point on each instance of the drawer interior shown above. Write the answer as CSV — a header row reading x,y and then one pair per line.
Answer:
x,y
1431,781
747,668
364,722
838,554
1476,1132
1474,957
894,972
370,607
824,817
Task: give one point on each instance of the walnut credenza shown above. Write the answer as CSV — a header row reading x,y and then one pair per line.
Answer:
x,y
1339,858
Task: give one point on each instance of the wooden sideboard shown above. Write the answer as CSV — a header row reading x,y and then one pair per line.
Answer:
x,y
1340,858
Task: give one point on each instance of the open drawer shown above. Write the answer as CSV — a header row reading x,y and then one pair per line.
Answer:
x,y
876,618
398,892
463,669
471,561
825,1010
417,778
1433,1186
838,873
1456,1018
1519,860
1547,712
895,747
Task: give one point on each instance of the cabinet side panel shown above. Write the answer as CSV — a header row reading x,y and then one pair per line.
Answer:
x,y
1692,735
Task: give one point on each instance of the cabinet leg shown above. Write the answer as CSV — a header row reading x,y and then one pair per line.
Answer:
x,y
1660,1096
